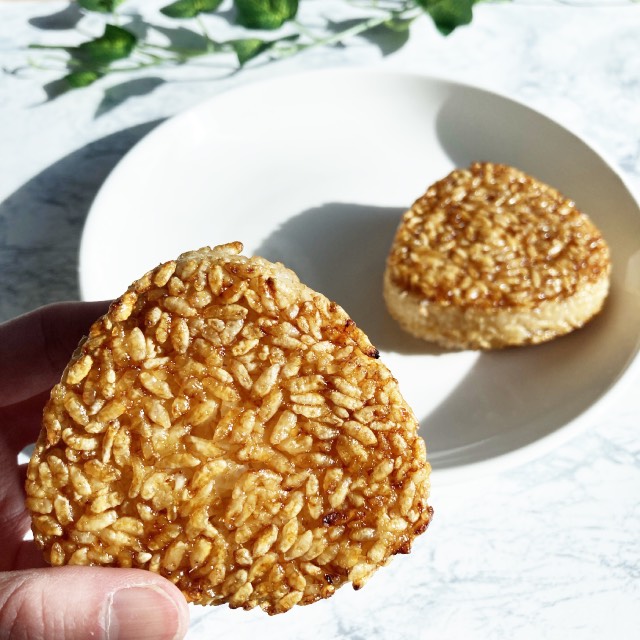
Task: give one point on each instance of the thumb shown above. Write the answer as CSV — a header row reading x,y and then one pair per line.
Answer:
x,y
90,602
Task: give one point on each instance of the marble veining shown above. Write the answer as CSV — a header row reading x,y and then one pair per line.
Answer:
x,y
549,549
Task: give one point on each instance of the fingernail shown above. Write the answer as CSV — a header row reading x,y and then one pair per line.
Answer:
x,y
142,613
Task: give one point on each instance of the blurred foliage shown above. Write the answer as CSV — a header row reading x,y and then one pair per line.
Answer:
x,y
130,43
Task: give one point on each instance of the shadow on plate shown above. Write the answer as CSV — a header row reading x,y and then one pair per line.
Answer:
x,y
511,133
340,250
513,397
508,398
42,223
462,138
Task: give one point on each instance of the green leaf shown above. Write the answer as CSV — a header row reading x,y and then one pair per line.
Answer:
x,y
115,44
102,6
448,14
190,8
248,48
265,14
79,79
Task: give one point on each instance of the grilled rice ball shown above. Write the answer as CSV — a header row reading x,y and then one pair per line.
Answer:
x,y
490,257
227,427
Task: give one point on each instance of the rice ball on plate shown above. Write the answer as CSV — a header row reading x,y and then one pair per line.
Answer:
x,y
490,257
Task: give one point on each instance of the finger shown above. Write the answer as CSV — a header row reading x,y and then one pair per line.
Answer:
x,y
20,423
14,519
35,347
91,602
29,556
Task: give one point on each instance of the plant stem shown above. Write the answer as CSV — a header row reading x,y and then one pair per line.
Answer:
x,y
396,13
355,30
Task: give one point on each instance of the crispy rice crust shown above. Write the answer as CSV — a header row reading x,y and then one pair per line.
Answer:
x,y
227,427
491,257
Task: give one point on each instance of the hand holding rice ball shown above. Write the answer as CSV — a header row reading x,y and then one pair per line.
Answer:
x,y
232,430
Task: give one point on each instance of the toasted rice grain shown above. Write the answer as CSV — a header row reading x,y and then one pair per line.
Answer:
x,y
489,256
227,427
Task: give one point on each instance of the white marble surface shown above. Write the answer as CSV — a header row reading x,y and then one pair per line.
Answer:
x,y
547,550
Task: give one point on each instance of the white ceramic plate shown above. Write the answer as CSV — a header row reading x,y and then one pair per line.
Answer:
x,y
315,170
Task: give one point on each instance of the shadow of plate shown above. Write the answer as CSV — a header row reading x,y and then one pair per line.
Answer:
x,y
41,224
